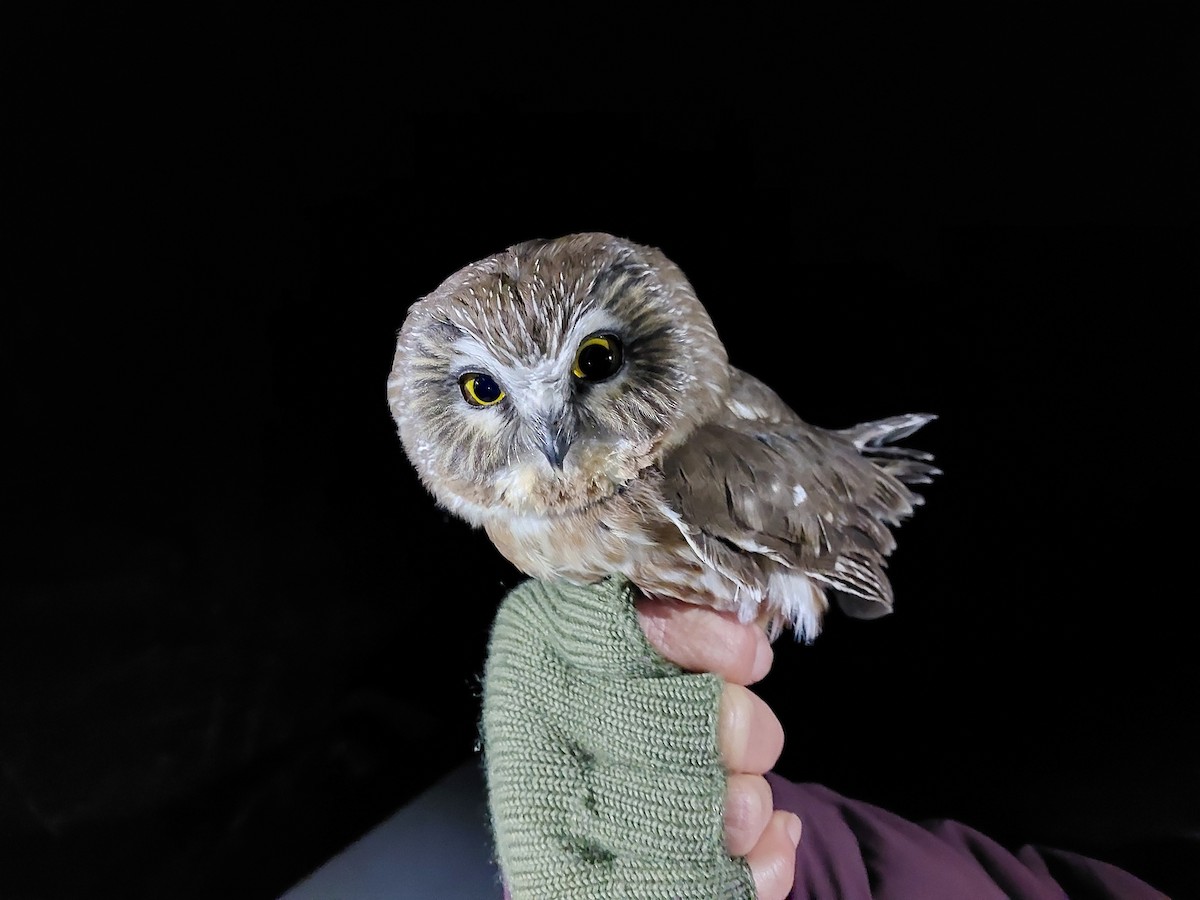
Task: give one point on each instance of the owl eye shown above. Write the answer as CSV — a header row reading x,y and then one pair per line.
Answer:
x,y
598,357
480,389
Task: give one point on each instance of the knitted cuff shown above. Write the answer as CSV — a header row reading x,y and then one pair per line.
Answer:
x,y
604,777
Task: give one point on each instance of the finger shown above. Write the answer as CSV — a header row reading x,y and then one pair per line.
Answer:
x,y
749,736
748,806
701,639
772,861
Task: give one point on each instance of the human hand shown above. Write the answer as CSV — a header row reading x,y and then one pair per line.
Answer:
x,y
699,639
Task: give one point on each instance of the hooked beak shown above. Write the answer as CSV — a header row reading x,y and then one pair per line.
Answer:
x,y
556,441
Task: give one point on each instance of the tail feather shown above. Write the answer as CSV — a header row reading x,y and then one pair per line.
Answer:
x,y
897,452
876,440
873,435
909,471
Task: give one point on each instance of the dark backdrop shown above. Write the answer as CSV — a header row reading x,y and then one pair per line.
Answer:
x,y
236,632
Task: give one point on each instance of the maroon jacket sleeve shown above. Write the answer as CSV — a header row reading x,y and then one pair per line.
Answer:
x,y
855,851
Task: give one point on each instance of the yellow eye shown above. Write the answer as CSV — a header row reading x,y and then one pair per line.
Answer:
x,y
598,357
480,389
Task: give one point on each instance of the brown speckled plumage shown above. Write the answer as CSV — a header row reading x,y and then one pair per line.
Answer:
x,y
686,475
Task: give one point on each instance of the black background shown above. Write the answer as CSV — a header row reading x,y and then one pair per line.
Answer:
x,y
236,632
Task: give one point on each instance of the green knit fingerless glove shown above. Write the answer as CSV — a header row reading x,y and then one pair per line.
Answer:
x,y
604,777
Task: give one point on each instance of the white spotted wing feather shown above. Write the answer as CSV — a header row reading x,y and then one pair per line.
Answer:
x,y
757,491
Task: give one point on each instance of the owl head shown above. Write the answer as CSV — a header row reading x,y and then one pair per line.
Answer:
x,y
546,377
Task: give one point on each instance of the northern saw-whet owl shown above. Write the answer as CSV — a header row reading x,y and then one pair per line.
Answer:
x,y
572,397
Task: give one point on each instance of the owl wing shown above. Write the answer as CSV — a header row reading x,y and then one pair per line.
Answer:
x,y
760,481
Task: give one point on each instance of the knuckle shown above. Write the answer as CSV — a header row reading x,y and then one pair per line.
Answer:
x,y
736,717
748,803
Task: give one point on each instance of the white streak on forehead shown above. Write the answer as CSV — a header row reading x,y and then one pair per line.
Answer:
x,y
468,349
592,321
547,369
539,386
